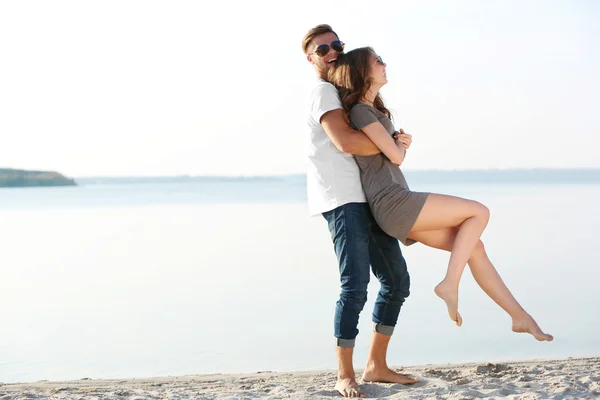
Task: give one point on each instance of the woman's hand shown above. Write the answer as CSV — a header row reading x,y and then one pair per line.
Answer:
x,y
404,138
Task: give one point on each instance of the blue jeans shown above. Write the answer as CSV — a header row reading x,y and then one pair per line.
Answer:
x,y
358,241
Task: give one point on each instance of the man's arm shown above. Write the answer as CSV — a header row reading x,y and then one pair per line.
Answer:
x,y
346,139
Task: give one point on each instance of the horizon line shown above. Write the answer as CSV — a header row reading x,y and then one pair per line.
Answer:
x,y
297,174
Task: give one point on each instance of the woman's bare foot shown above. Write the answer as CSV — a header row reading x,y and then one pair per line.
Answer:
x,y
449,293
348,387
386,375
528,325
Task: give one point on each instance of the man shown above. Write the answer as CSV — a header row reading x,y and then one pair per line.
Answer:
x,y
335,191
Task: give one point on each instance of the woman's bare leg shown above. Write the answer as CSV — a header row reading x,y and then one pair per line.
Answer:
x,y
471,218
487,278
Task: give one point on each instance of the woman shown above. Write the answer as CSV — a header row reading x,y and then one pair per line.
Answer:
x,y
443,222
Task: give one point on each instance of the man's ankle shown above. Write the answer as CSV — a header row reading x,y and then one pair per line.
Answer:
x,y
375,364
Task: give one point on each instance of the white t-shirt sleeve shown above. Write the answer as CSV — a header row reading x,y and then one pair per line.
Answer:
x,y
324,98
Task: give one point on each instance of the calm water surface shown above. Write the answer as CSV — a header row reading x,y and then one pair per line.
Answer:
x,y
137,280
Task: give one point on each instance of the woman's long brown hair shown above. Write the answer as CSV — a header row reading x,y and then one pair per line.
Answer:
x,y
351,78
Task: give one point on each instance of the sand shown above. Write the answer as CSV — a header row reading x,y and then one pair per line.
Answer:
x,y
573,378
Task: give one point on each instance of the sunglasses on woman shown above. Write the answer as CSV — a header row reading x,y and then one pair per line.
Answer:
x,y
323,49
379,60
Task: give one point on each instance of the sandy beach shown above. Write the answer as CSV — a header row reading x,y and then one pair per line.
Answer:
x,y
573,378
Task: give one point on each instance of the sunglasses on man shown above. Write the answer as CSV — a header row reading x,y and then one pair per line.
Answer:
x,y
323,49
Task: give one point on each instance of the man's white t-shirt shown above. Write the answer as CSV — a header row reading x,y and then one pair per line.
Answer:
x,y
333,178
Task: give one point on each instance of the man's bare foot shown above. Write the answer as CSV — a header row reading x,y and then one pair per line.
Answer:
x,y
449,293
528,325
349,388
386,375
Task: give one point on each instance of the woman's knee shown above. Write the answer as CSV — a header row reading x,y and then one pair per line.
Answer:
x,y
481,211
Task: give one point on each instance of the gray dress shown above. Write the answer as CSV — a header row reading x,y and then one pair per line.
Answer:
x,y
394,206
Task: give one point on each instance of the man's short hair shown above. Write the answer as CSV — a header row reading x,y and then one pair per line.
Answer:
x,y
314,32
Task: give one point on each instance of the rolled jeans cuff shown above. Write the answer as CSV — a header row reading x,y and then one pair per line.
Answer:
x,y
346,343
383,329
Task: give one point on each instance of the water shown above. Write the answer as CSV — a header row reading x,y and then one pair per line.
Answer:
x,y
144,279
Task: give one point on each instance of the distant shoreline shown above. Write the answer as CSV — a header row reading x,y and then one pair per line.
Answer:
x,y
11,178
491,176
27,178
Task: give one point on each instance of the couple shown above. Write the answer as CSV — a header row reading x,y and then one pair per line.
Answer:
x,y
355,182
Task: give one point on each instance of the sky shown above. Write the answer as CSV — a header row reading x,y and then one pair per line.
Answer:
x,y
128,87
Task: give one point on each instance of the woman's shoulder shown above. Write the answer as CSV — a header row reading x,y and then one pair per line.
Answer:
x,y
366,109
362,115
362,108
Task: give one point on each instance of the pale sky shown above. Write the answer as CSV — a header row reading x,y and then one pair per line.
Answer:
x,y
108,88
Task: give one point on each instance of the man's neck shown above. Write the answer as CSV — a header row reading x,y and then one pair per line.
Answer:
x,y
321,73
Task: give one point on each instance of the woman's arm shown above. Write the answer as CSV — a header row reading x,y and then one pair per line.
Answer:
x,y
382,139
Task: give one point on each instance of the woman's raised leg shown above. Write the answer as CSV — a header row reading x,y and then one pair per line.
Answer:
x,y
471,218
488,279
